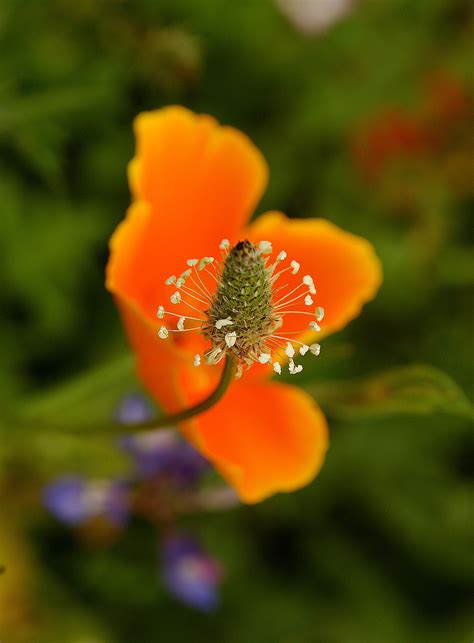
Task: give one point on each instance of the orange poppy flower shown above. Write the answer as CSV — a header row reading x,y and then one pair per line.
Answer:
x,y
194,185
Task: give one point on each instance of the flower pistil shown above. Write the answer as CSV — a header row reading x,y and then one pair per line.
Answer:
x,y
244,313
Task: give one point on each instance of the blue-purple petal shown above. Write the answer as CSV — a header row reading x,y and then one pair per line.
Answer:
x,y
74,500
164,452
134,409
190,574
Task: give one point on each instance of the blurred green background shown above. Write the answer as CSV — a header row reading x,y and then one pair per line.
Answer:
x,y
364,122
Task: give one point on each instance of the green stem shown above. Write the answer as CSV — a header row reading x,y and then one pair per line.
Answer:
x,y
38,423
227,376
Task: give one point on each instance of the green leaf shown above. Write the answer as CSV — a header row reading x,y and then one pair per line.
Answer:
x,y
85,401
57,431
414,389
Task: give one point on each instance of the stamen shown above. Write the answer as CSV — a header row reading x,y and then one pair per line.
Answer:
x,y
308,281
197,360
315,349
277,367
175,298
224,244
163,332
308,301
319,313
231,338
265,247
279,301
314,326
201,285
303,349
214,274
223,322
291,332
205,261
295,312
295,267
281,256
282,307
289,350
192,262
276,276
171,280
217,270
293,368
264,358
213,354
195,295
180,324
199,319
160,313
186,303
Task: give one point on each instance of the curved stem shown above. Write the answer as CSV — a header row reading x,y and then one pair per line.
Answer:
x,y
227,375
228,372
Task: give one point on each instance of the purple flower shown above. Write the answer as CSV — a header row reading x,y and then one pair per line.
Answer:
x,y
134,409
163,452
190,574
74,500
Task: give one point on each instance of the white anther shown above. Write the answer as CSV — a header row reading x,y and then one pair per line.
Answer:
x,y
303,349
295,266
314,326
293,368
264,358
223,322
265,247
180,324
192,262
179,282
319,313
186,274
312,289
315,349
197,360
308,280
175,298
160,313
224,244
277,368
171,280
211,357
281,256
231,338
308,301
163,332
205,261
289,350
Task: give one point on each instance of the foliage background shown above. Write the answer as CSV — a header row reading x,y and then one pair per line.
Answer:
x,y
378,548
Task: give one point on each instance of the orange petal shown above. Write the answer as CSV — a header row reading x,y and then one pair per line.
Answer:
x,y
194,183
346,271
164,366
263,437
